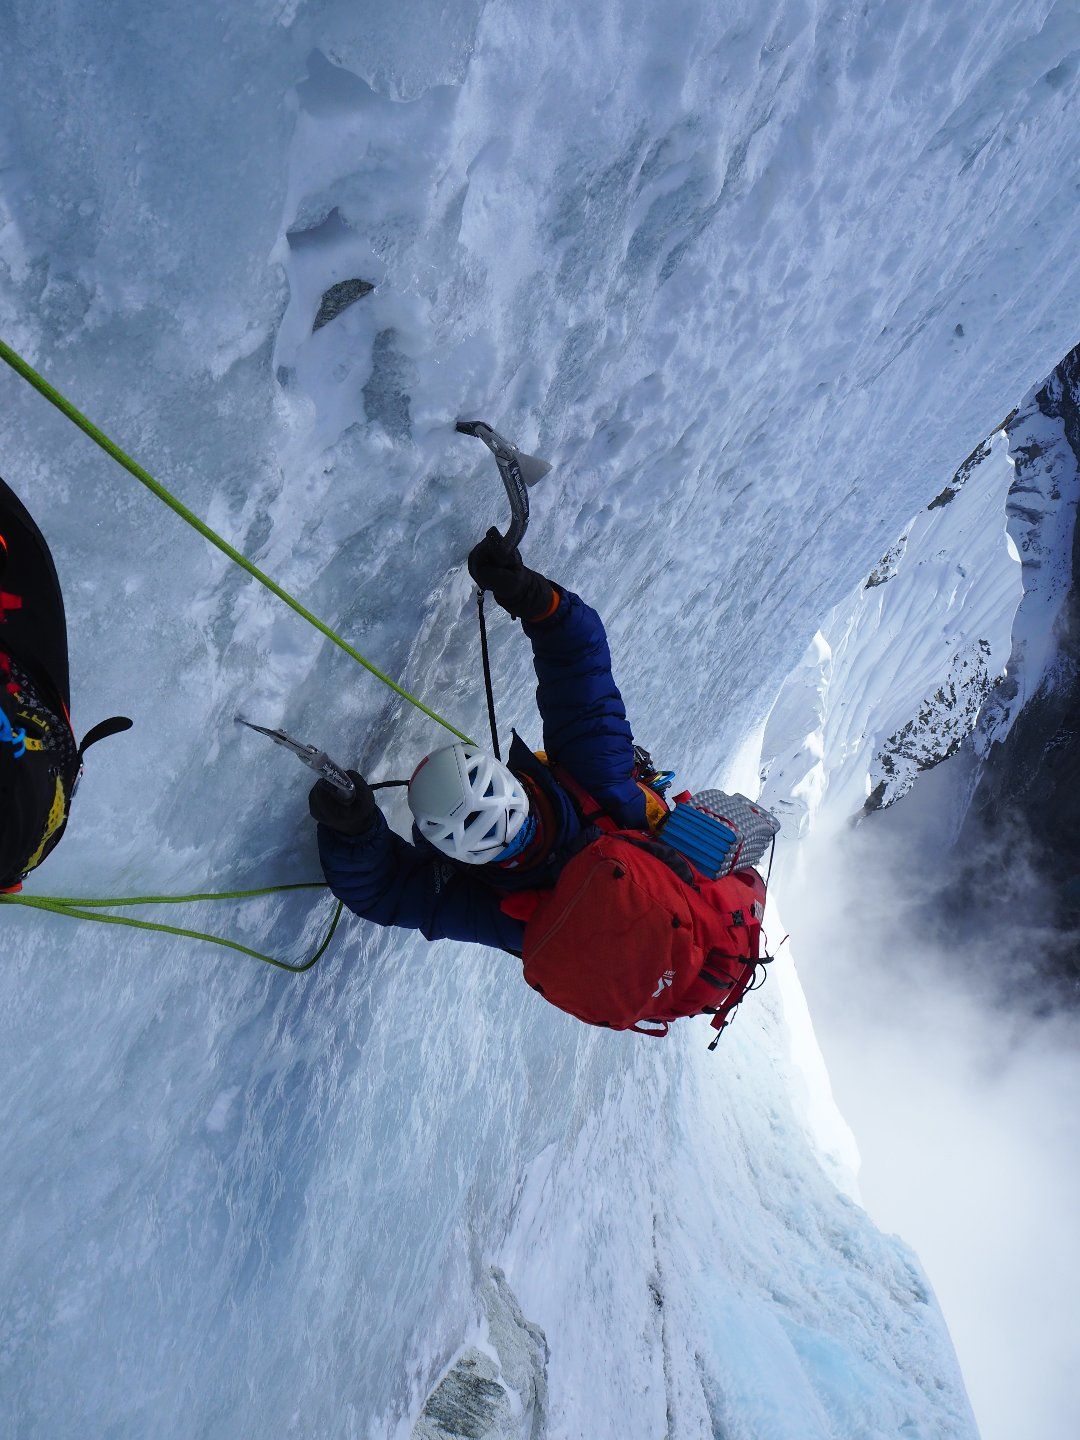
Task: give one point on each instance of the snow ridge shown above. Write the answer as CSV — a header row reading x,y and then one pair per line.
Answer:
x,y
897,675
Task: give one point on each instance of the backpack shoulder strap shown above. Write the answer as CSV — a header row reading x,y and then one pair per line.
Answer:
x,y
590,811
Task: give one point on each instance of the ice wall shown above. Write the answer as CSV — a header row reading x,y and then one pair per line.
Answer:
x,y
754,277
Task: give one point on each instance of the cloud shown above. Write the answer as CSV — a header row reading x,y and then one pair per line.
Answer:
x,y
957,1062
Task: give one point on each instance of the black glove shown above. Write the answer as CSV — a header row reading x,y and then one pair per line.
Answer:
x,y
348,817
498,567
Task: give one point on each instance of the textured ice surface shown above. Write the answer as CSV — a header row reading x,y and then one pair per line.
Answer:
x,y
714,263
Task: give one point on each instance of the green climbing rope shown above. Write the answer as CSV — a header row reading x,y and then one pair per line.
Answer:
x,y
78,909
42,386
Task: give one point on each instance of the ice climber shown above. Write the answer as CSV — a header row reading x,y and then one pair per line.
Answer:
x,y
40,760
38,754
555,857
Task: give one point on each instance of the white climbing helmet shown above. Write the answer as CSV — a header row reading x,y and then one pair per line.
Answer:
x,y
467,803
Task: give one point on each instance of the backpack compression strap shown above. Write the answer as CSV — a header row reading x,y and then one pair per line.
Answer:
x,y
115,725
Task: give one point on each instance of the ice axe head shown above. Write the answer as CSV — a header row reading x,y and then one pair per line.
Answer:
x,y
532,467
517,470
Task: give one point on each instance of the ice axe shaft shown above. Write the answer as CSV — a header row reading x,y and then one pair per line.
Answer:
x,y
309,755
518,472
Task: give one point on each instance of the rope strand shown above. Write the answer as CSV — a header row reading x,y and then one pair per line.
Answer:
x,y
54,397
75,909
80,909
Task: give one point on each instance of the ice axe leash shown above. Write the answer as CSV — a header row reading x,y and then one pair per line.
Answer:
x,y
518,472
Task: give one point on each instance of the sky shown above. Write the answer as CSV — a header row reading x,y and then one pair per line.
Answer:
x,y
960,1077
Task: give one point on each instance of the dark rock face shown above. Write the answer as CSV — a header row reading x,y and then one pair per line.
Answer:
x,y
387,398
469,1404
885,569
977,456
1028,784
936,731
495,1393
338,298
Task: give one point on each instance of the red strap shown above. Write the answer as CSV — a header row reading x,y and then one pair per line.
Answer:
x,y
590,811
645,1028
546,613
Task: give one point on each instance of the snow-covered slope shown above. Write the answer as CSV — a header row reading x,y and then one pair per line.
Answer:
x,y
747,275
897,675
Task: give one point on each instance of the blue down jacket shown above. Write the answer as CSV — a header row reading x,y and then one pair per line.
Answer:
x,y
384,878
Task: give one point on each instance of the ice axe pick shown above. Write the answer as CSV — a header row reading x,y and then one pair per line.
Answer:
x,y
314,758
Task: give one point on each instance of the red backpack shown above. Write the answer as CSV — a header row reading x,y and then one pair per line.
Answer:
x,y
634,936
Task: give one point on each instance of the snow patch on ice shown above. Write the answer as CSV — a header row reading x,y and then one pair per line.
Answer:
x,y
218,1115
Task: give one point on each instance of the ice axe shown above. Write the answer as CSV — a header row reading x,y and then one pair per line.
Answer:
x,y
310,755
519,472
